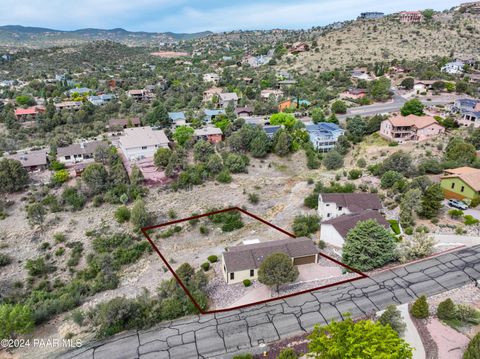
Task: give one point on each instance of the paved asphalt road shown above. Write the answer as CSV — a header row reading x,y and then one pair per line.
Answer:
x,y
221,335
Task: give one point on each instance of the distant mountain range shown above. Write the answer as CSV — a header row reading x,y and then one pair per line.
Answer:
x,y
38,37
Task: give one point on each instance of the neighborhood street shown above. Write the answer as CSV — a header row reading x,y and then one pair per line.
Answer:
x,y
245,330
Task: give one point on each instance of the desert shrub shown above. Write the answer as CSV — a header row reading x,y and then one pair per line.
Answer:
x,y
4,260
243,356
321,244
75,254
253,198
205,266
393,317
287,353
59,237
229,221
470,220
203,230
60,251
224,177
421,245
473,349
247,282
38,267
305,225
122,214
78,317
311,201
419,308
212,258
354,174
455,213
446,310
467,314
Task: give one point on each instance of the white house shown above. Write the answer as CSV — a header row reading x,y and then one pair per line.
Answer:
x,y
211,77
332,205
141,142
78,152
453,68
336,229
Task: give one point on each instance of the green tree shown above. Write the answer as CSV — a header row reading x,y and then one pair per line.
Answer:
x,y
283,144
361,339
214,164
317,115
15,319
202,151
139,215
431,201
25,100
305,225
13,177
459,152
36,214
393,317
428,14
412,107
122,214
368,245
60,176
236,163
183,134
474,138
408,83
162,157
260,145
379,90
158,116
333,160
356,129
339,107
277,269
399,161
419,308
95,177
389,178
446,310
282,118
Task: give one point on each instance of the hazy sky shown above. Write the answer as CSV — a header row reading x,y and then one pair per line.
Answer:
x,y
196,15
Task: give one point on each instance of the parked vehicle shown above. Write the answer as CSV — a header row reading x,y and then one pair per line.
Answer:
x,y
457,204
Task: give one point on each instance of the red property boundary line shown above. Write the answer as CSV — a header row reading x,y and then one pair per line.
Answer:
x,y
145,231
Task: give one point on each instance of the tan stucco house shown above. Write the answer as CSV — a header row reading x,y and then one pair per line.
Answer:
x,y
242,262
410,128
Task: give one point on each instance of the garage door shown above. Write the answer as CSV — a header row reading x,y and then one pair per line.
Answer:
x,y
304,260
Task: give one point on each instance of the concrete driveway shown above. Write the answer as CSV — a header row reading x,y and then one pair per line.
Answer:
x,y
314,271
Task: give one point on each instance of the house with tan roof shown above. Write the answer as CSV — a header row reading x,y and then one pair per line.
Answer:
x,y
243,261
410,128
461,183
142,142
209,133
209,94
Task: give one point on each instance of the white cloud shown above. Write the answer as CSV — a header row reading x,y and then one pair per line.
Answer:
x,y
191,15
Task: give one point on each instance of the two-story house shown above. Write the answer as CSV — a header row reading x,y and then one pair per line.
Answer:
x,y
461,183
410,128
324,135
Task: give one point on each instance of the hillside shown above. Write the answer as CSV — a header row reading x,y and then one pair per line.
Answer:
x,y
36,37
386,39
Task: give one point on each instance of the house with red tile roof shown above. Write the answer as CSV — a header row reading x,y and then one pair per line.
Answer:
x,y
410,128
23,114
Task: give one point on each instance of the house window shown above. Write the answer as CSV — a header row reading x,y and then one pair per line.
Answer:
x,y
453,185
328,205
462,189
144,147
340,208
328,215
252,272
232,276
67,157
